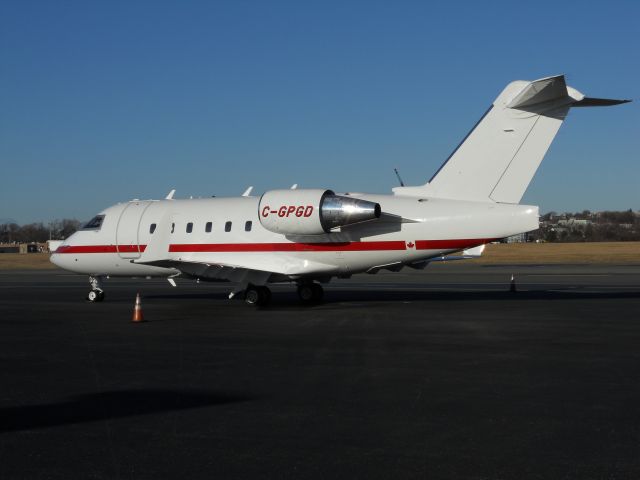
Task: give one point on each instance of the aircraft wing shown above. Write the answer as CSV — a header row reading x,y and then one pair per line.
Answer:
x,y
234,266
206,270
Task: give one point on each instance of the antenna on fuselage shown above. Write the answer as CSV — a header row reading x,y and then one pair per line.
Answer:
x,y
398,175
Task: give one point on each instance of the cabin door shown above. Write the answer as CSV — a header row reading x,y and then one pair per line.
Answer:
x,y
128,230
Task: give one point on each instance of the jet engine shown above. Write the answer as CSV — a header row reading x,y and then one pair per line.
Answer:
x,y
311,211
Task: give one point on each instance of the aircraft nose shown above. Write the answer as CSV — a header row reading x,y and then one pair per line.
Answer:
x,y
55,259
59,259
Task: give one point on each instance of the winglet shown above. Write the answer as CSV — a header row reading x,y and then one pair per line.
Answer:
x,y
158,246
170,195
468,254
247,192
474,252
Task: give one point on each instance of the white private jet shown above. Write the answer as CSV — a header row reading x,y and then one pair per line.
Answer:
x,y
308,236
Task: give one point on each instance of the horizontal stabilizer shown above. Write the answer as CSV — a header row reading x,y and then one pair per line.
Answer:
x,y
598,102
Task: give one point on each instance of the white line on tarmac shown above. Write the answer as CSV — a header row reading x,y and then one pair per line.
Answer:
x,y
565,275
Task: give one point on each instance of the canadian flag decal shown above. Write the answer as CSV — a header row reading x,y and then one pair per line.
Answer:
x,y
411,245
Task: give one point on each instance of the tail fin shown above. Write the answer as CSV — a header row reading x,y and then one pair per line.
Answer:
x,y
498,158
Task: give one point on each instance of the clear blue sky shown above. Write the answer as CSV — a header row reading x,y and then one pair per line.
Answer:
x,y
101,102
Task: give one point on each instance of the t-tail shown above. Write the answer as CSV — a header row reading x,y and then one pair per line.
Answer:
x,y
496,161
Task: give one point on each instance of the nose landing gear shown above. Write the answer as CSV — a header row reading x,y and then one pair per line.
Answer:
x,y
96,294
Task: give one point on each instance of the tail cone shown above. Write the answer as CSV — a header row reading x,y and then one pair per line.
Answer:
x,y
137,311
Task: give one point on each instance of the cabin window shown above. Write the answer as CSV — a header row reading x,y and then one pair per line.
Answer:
x,y
173,227
189,227
227,227
94,224
152,228
247,226
208,227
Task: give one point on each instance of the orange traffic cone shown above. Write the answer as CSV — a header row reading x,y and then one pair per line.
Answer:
x,y
137,311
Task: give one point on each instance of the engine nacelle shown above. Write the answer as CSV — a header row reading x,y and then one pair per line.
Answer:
x,y
312,212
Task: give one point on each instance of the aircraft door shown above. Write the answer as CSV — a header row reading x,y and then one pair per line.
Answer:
x,y
127,232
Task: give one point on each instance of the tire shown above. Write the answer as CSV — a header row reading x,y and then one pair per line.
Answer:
x,y
265,296
100,296
93,296
252,296
318,292
305,292
257,296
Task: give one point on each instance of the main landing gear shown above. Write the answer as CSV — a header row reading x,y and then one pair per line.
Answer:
x,y
257,295
310,292
96,294
260,296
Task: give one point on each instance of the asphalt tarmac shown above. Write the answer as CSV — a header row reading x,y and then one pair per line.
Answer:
x,y
436,374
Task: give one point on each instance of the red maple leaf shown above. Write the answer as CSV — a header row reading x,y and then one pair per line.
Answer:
x,y
410,245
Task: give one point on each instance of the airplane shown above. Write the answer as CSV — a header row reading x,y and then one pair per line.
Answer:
x,y
309,236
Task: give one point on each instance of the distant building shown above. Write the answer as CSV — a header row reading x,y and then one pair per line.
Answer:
x,y
23,247
519,238
574,223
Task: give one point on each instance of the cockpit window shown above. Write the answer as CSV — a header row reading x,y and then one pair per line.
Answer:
x,y
94,224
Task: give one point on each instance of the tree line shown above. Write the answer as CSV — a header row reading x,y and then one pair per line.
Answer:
x,y
586,226
38,232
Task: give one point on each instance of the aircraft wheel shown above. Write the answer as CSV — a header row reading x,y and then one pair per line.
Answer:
x,y
306,292
318,292
252,296
94,296
100,296
265,296
257,295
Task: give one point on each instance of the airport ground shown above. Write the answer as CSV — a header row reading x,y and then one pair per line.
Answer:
x,y
443,373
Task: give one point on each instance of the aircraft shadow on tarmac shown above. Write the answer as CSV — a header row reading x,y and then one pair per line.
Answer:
x,y
110,405
338,298
187,296
456,296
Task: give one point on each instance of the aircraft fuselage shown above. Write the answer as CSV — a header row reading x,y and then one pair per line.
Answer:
x,y
409,230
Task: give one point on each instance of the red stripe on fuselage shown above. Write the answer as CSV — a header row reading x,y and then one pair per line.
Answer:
x,y
100,248
288,247
392,245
